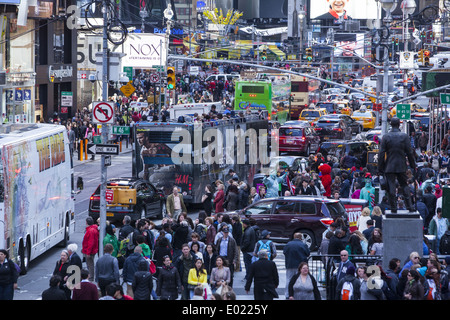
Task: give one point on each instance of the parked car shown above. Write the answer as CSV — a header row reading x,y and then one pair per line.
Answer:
x,y
285,216
332,127
298,137
134,197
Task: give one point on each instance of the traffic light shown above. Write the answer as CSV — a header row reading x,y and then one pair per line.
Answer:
x,y
396,42
420,53
264,55
309,55
171,78
426,58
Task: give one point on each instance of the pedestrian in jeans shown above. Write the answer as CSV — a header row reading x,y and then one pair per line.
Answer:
x,y
90,245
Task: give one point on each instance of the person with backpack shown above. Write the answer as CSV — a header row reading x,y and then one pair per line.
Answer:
x,y
265,244
349,286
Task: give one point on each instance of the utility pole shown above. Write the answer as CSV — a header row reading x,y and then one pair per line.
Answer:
x,y
105,128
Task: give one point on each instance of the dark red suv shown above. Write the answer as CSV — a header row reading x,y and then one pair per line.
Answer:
x,y
284,216
298,137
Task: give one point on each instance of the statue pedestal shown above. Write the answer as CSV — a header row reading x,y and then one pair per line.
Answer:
x,y
402,234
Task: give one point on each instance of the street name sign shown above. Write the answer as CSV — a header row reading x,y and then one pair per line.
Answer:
x,y
121,130
403,111
445,98
107,149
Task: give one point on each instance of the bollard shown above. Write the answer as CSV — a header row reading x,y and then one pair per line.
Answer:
x,y
120,146
80,150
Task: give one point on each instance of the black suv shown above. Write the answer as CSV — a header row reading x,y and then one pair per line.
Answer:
x,y
332,127
285,216
134,197
339,148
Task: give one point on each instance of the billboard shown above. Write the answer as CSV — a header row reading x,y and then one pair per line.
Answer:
x,y
348,9
144,50
349,44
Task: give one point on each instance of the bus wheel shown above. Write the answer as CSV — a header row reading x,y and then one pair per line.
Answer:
x,y
24,258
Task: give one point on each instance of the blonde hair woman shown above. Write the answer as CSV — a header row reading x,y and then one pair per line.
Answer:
x,y
361,224
377,216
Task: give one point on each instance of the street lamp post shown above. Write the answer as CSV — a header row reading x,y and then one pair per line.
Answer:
x,y
408,7
301,19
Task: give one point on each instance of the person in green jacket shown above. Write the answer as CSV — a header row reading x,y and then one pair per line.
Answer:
x,y
111,238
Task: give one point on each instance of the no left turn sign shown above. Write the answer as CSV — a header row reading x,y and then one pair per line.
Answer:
x,y
103,112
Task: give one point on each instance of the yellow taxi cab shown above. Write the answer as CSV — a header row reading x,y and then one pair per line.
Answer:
x,y
312,114
368,118
344,107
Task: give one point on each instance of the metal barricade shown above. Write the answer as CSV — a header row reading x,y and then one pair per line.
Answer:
x,y
323,268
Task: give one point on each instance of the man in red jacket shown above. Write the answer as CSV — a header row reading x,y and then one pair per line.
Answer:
x,y
90,245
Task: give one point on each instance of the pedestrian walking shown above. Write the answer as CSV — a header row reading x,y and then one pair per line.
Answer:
x,y
107,269
90,245
61,270
54,292
264,275
8,276
85,290
130,267
143,282
303,285
295,252
169,281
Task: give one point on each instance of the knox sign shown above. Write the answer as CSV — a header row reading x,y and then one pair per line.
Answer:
x,y
144,51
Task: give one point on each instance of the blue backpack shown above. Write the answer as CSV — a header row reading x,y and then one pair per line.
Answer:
x,y
265,246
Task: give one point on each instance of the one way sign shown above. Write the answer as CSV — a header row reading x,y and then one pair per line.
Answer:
x,y
107,149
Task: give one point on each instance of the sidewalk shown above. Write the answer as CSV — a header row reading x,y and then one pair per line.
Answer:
x,y
87,157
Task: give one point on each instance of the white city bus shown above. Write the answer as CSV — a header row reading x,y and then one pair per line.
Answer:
x,y
36,201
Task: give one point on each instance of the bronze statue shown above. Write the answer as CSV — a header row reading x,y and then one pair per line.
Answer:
x,y
394,149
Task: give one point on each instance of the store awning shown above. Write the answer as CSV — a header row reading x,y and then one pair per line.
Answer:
x,y
277,51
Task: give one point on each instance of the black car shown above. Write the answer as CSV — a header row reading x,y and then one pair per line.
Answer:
x,y
134,197
332,127
285,216
338,148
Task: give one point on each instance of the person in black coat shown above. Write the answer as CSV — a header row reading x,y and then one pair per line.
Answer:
x,y
143,282
54,292
395,147
61,271
74,258
180,236
264,274
337,244
169,281
207,200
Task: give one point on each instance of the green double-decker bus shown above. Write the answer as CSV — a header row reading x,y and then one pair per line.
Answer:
x,y
263,95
